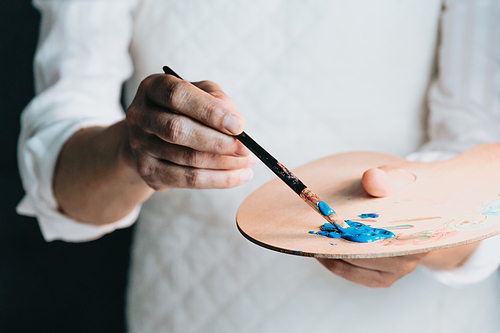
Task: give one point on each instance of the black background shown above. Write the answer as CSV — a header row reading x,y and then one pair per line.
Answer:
x,y
57,286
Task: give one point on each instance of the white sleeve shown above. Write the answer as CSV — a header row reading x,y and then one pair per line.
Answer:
x,y
464,103
464,100
81,62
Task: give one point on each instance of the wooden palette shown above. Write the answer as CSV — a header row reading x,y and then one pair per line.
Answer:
x,y
446,206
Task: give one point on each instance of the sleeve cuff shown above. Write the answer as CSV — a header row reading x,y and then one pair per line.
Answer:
x,y
57,226
38,156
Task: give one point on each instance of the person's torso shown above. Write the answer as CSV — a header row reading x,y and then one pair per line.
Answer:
x,y
351,75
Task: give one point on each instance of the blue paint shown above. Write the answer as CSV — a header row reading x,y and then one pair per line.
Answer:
x,y
492,213
490,207
358,232
325,209
368,215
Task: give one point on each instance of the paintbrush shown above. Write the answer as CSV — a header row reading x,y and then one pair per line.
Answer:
x,y
311,198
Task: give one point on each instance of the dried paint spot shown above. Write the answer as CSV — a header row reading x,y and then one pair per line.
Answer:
x,y
490,207
368,215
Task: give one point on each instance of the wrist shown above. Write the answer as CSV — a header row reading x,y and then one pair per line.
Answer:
x,y
448,259
124,155
124,160
95,181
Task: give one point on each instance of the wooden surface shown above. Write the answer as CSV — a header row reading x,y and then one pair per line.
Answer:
x,y
442,208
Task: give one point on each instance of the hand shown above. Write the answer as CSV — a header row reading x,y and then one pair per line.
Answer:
x,y
181,135
374,273
176,134
384,272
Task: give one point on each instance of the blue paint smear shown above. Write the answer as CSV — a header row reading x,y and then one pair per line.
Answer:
x,y
325,209
368,215
492,213
358,232
490,207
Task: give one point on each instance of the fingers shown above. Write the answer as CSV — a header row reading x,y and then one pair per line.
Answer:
x,y
385,180
362,276
374,273
153,146
163,175
212,108
392,264
180,135
180,130
215,90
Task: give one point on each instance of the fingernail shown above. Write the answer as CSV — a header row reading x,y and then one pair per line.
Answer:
x,y
246,175
232,124
252,159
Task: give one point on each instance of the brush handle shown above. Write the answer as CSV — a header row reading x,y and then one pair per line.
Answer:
x,y
279,169
306,194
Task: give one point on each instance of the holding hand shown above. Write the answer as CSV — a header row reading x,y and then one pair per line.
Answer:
x,y
181,135
176,135
384,272
374,273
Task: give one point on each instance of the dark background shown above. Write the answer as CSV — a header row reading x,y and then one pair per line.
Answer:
x,y
57,286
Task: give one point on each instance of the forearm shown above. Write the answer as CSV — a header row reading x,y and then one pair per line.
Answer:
x,y
449,258
95,179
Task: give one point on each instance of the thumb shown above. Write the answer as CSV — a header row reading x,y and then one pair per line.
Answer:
x,y
385,180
